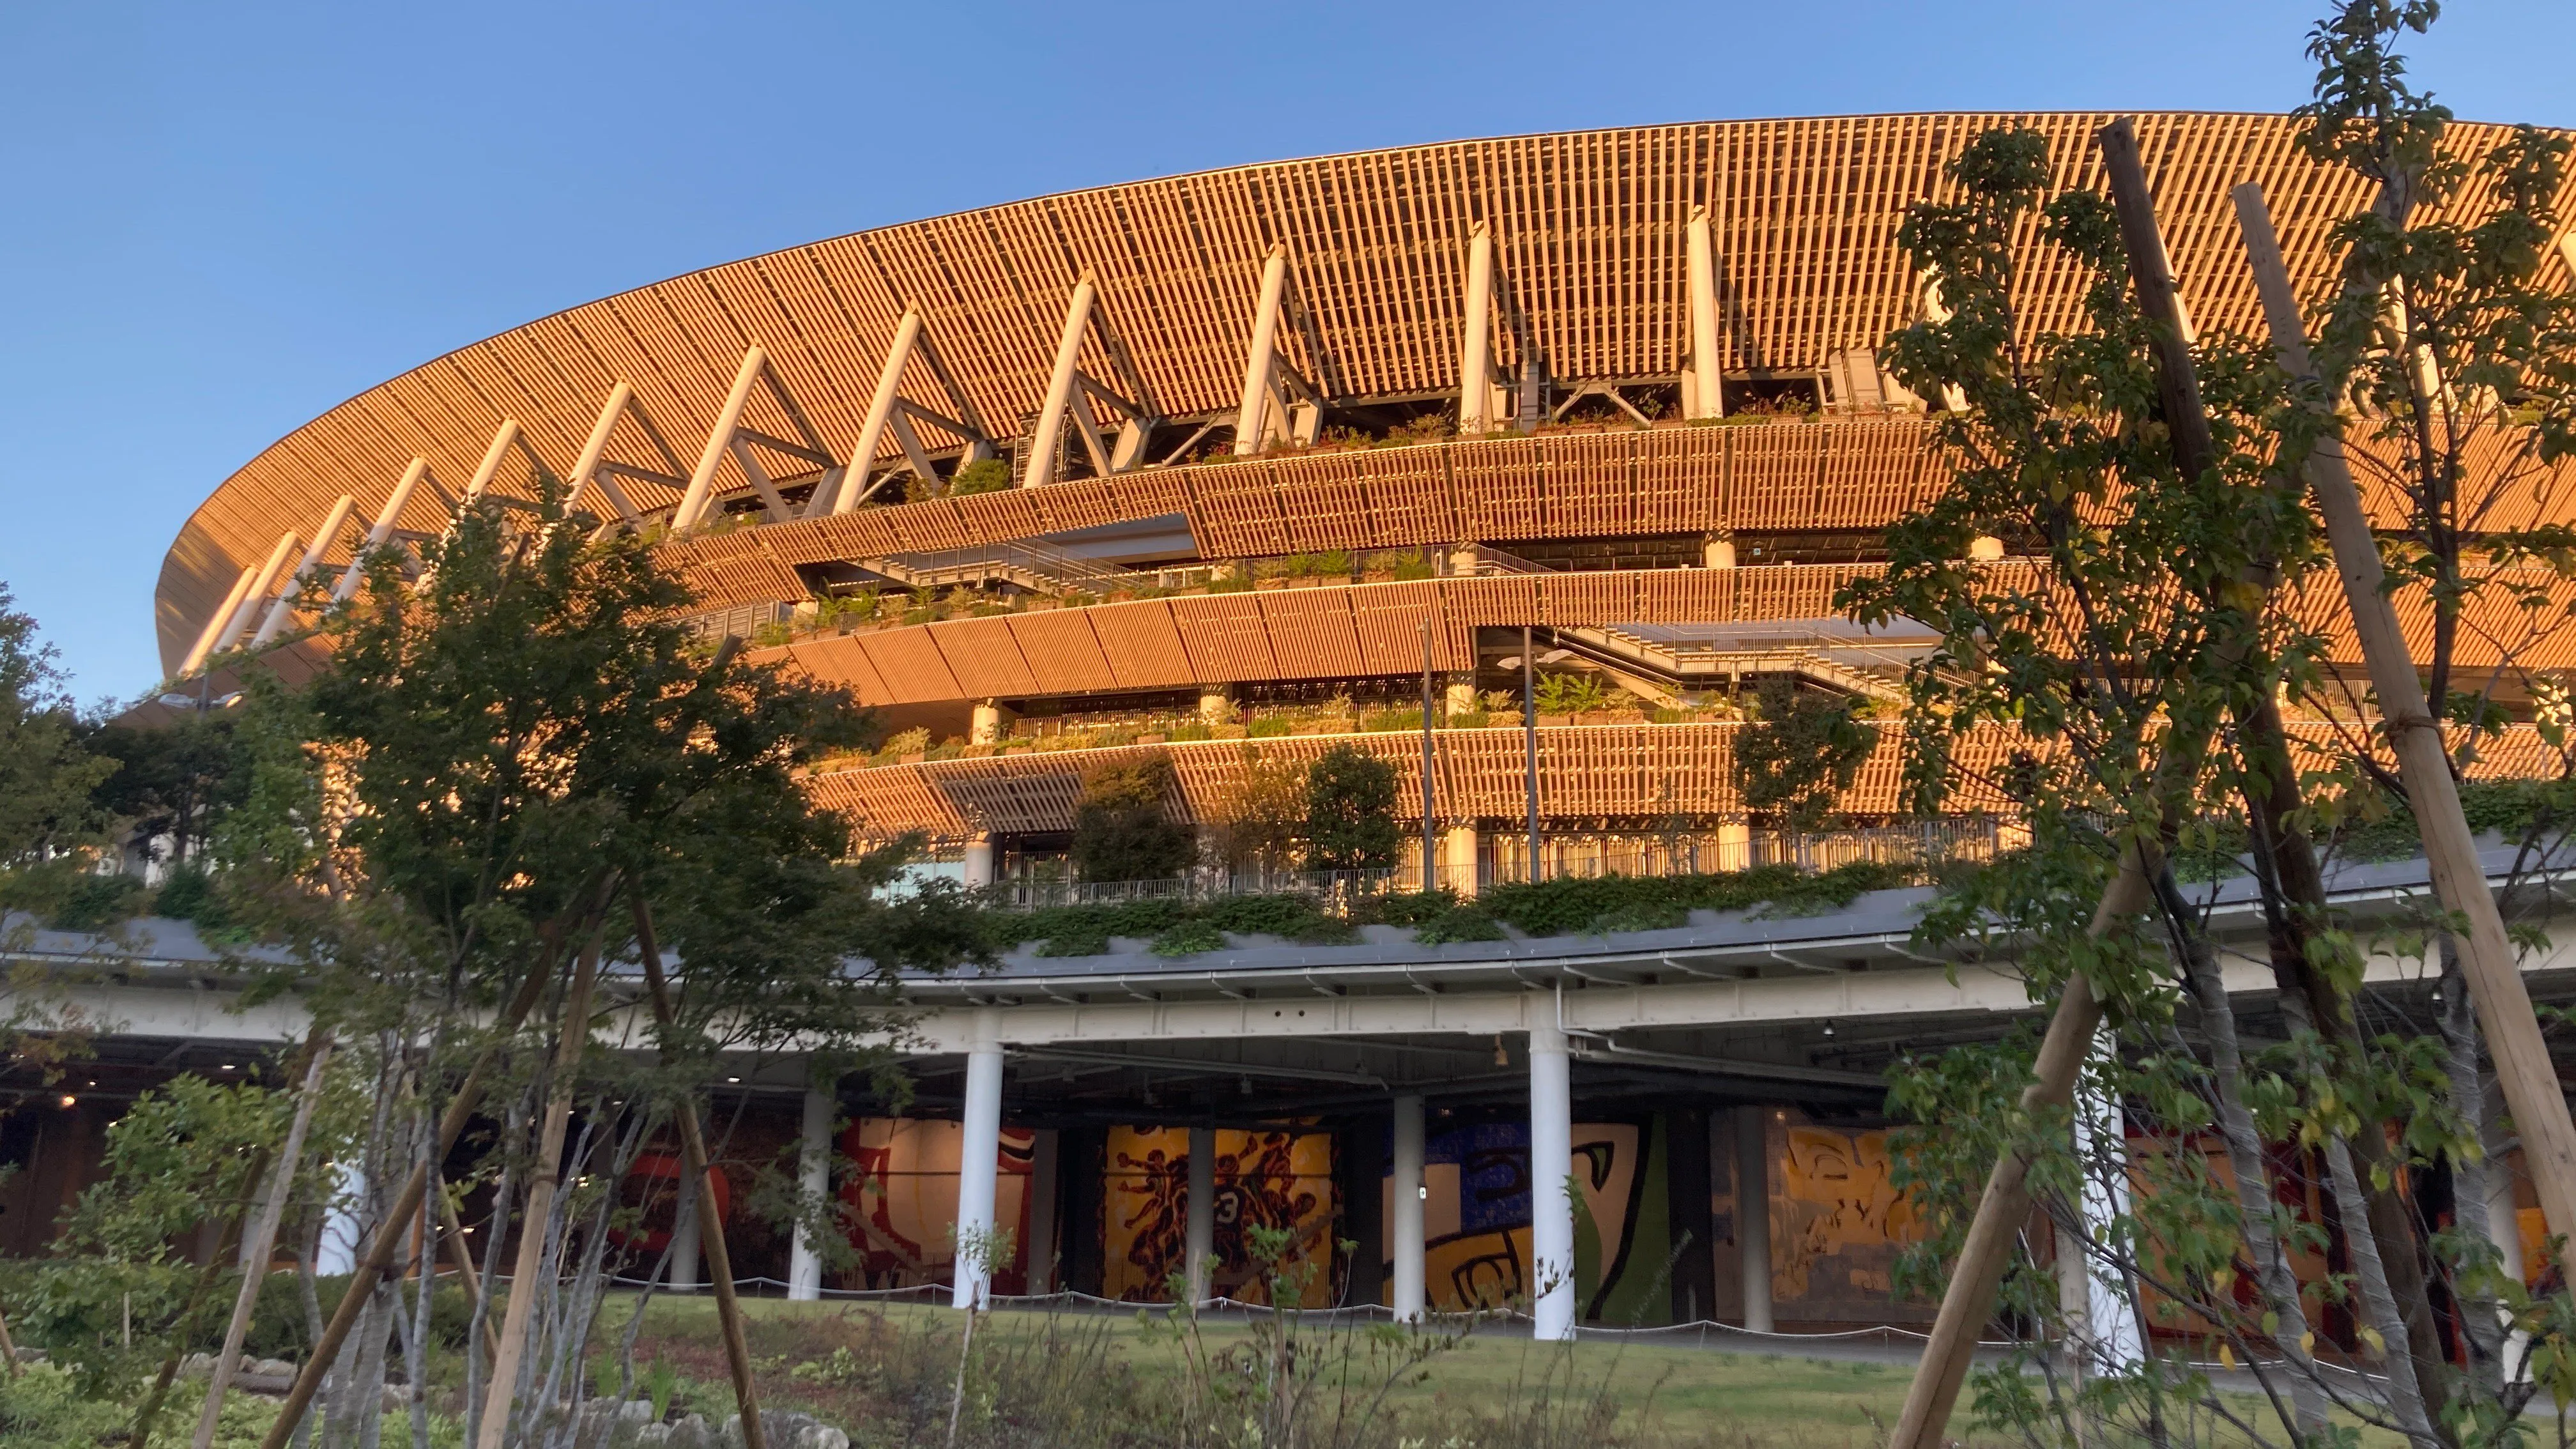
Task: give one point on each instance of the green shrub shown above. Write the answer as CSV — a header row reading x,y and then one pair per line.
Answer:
x,y
1350,812
93,902
1120,830
987,475
1269,727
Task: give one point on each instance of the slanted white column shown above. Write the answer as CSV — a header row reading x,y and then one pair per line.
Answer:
x,y
1703,388
1551,1138
1045,443
1476,350
266,579
284,608
687,1242
979,861
1404,1225
216,621
702,481
1261,360
1753,1214
813,1182
1200,1241
863,454
387,518
979,1149
1045,1162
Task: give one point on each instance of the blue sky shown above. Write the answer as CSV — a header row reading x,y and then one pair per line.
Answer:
x,y
225,219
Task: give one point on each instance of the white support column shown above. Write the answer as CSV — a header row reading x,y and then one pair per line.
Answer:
x,y
1717,551
585,468
1200,1240
979,1149
1261,361
1404,1222
260,584
979,861
1703,387
989,723
1045,1162
388,518
284,608
216,621
1216,703
1985,548
688,1243
813,1183
1458,859
1753,1214
702,482
2111,1341
504,438
881,405
1551,1138
1475,352
337,1251
1062,395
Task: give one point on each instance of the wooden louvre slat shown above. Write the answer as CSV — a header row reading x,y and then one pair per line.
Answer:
x,y
1063,652
1311,634
912,667
1226,638
1143,643
983,656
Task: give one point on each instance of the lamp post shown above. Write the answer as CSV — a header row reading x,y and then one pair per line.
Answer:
x,y
1529,662
1430,823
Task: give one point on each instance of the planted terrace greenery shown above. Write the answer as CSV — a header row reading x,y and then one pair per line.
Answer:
x,y
1549,908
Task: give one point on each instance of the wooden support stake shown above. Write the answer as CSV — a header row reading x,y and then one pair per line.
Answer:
x,y
397,1224
693,1166
263,1243
2005,1205
2530,1081
546,1171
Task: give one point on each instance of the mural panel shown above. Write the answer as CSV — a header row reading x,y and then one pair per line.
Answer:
x,y
1278,1180
902,1202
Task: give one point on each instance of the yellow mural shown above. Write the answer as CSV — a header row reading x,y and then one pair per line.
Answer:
x,y
1263,1179
1837,1221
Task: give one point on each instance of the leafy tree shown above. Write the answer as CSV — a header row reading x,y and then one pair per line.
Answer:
x,y
1263,817
47,814
1803,749
1350,812
1120,829
984,475
173,780
504,774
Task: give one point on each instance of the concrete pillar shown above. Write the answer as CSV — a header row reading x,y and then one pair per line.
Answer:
x,y
1200,1242
978,1151
813,1183
1045,1163
1734,847
2112,1340
338,1250
1404,1228
1753,1213
1686,1208
1458,859
686,1240
979,861
1459,694
1216,703
992,723
1359,1188
1717,551
1551,1139
1985,548
1462,560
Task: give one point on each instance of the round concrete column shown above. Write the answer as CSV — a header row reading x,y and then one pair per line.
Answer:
x,y
813,1181
979,861
991,723
1404,1229
1717,551
1200,1241
1985,549
978,1148
1551,1138
1753,1214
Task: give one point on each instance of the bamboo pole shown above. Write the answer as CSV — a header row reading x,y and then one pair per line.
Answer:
x,y
693,1164
397,1223
2523,1068
263,1242
2005,1205
545,1172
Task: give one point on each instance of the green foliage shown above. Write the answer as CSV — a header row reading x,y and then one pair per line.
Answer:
x,y
1571,692
175,779
1800,754
1350,812
46,777
1120,828
985,475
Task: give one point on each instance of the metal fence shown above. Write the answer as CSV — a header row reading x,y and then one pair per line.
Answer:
x,y
1503,861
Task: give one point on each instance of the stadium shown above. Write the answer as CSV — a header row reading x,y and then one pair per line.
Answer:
x,y
1246,465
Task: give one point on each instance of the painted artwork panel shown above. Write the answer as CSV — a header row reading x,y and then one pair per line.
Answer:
x,y
901,1202
1277,1179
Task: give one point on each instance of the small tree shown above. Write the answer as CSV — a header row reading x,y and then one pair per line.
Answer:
x,y
1804,750
1120,831
1350,812
1263,817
